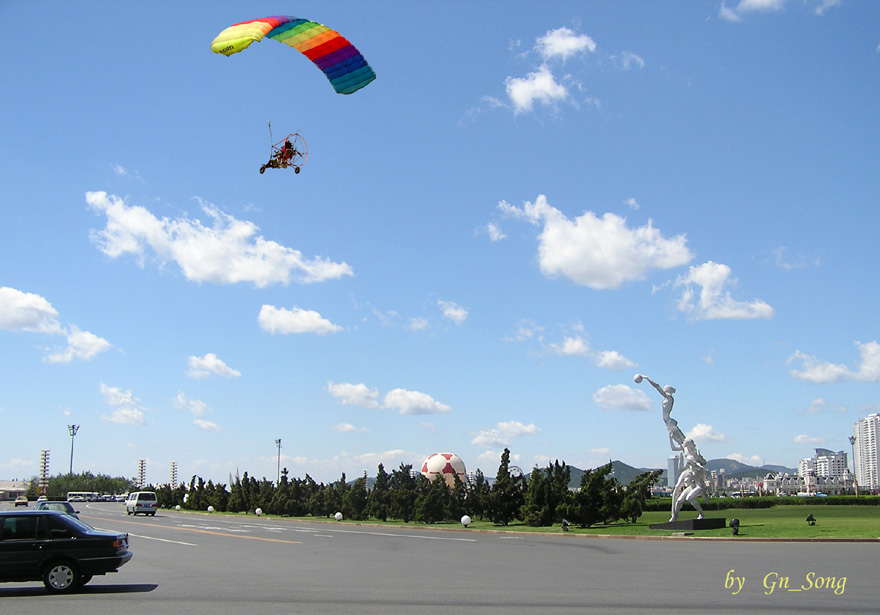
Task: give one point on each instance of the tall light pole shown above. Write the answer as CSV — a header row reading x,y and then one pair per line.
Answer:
x,y
278,444
72,429
852,443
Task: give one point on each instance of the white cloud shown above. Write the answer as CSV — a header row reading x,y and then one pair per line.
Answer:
x,y
714,301
577,346
349,428
744,7
540,86
453,312
210,364
563,43
702,434
628,60
21,311
206,425
495,233
867,369
601,253
227,252
296,320
80,345
198,409
354,394
503,433
811,440
622,397
754,460
525,330
413,402
632,204
126,407
611,359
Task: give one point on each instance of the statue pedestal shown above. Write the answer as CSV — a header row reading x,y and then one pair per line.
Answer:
x,y
691,524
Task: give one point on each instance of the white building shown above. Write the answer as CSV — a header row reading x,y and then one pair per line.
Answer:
x,y
824,463
867,437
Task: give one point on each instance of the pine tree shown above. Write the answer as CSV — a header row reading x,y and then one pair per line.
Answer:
x,y
380,496
507,494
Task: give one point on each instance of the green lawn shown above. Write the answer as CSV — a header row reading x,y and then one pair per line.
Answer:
x,y
777,522
781,521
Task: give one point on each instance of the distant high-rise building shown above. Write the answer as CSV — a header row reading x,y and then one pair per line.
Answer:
x,y
825,463
867,435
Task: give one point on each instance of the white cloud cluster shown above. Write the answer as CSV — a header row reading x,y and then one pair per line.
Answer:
x,y
577,346
296,320
453,311
198,409
126,407
503,434
622,397
405,401
737,12
601,253
541,85
704,434
813,370
29,312
714,302
210,364
226,252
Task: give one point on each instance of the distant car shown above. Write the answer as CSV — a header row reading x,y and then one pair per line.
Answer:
x,y
141,502
42,498
21,501
57,549
62,507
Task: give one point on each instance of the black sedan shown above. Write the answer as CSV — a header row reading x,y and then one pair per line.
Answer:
x,y
57,549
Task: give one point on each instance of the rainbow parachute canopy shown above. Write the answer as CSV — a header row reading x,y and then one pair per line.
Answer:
x,y
343,64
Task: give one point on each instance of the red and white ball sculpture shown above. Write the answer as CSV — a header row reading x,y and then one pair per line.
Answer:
x,y
446,465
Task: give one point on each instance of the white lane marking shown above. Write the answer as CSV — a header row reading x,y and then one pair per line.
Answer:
x,y
176,542
389,534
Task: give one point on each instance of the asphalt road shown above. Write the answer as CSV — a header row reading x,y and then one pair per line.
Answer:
x,y
204,564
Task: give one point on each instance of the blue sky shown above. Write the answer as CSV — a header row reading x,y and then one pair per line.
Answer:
x,y
532,203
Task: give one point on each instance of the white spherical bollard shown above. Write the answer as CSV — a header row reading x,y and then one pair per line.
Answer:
x,y
338,516
210,509
465,521
177,507
258,512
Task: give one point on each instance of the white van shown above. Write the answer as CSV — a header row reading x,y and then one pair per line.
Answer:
x,y
141,502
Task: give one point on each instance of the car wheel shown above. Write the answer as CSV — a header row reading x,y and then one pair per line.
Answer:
x,y
61,577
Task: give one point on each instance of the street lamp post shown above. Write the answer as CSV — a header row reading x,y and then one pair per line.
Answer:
x,y
852,443
72,429
278,444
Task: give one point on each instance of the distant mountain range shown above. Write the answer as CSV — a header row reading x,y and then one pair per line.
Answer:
x,y
625,473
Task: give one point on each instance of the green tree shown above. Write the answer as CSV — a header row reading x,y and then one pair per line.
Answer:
x,y
354,501
432,500
584,506
535,499
479,495
403,493
507,493
637,492
380,496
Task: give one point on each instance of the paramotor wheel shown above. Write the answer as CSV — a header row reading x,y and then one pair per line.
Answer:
x,y
262,169
296,170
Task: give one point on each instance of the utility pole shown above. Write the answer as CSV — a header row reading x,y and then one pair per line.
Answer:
x,y
72,429
278,444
